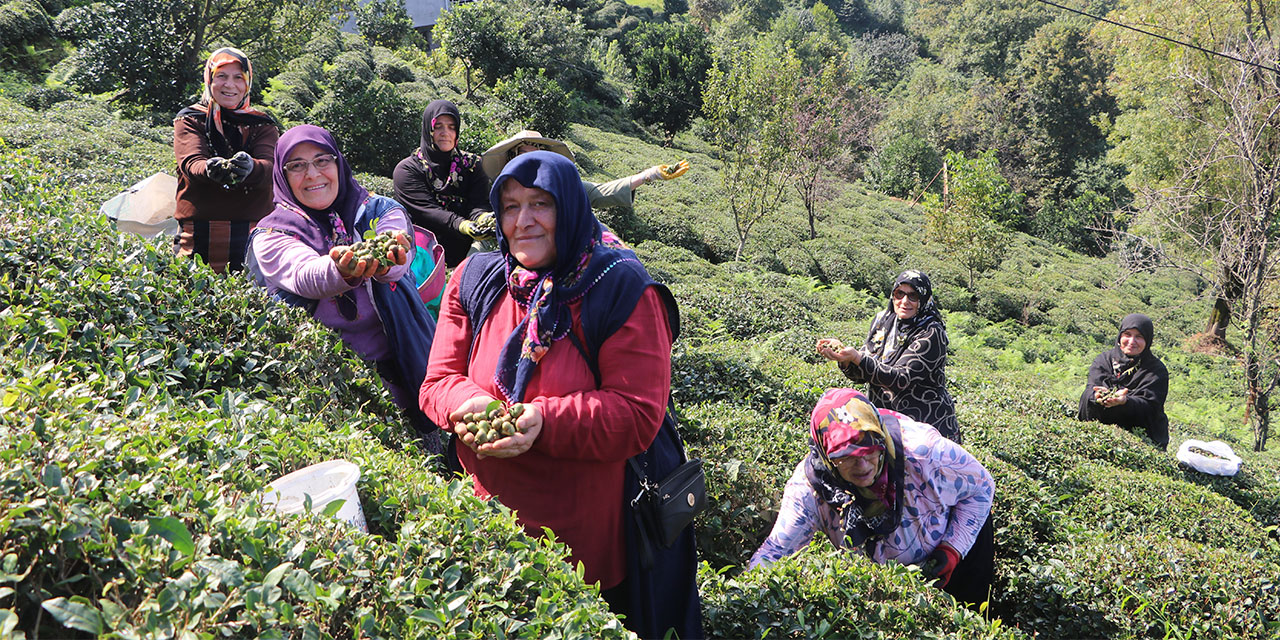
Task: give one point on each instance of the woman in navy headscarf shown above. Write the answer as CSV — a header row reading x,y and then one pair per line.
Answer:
x,y
564,319
904,358
1128,384
302,253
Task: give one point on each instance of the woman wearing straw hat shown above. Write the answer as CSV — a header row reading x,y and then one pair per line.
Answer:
x,y
615,193
224,149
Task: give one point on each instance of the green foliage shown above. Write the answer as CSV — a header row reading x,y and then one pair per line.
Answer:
x,y
384,22
156,403
827,595
534,101
972,219
881,60
904,166
149,61
669,63
23,22
353,97
482,35
978,35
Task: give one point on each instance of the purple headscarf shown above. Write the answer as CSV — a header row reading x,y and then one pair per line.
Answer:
x,y
350,193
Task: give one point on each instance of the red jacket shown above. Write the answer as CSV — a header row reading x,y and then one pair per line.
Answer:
x,y
570,481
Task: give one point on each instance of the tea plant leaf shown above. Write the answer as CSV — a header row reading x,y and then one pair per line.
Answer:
x,y
8,622
334,507
76,613
174,531
52,476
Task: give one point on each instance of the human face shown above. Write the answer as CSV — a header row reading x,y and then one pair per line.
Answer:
x,y
228,85
906,302
1132,343
444,132
860,471
528,219
314,188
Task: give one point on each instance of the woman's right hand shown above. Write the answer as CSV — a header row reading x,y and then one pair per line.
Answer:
x,y
832,349
349,267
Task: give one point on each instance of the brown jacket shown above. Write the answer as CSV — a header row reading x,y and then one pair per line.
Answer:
x,y
200,198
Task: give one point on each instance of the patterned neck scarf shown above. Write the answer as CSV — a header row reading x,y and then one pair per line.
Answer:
x,y
585,257
844,421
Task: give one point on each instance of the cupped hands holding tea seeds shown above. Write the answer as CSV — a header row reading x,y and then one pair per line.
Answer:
x,y
373,256
493,429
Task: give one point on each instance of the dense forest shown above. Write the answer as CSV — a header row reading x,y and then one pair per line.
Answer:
x,y
1052,165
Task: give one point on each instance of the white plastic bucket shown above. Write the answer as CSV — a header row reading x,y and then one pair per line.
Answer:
x,y
324,482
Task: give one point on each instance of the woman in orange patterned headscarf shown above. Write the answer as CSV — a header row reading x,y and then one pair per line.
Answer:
x,y
225,150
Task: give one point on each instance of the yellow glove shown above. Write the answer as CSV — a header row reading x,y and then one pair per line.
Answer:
x,y
667,172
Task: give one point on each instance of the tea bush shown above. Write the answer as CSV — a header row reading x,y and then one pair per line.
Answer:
x,y
829,594
143,415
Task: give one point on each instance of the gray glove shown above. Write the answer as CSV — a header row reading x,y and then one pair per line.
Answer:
x,y
219,170
240,166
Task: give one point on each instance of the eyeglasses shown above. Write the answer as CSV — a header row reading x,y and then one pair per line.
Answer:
x,y
298,167
858,462
899,294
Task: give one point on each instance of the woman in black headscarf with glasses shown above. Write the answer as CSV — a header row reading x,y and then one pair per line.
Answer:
x,y
1128,384
904,358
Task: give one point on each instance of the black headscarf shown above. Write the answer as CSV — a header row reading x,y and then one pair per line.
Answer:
x,y
889,332
437,161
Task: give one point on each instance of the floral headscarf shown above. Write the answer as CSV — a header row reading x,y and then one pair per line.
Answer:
x,y
222,126
845,423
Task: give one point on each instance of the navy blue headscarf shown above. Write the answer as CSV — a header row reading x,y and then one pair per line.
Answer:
x,y
586,256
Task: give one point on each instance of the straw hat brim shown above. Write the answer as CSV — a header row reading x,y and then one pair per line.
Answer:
x,y
495,158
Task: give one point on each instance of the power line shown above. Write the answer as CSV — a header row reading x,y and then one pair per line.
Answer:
x,y
1166,38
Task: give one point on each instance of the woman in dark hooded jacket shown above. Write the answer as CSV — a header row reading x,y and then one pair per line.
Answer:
x,y
904,358
1128,384
443,187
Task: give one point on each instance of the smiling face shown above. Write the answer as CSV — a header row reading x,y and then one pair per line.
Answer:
x,y
1132,343
860,471
228,86
314,188
528,219
444,132
906,302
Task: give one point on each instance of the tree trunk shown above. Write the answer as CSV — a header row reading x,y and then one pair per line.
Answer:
x,y
1219,320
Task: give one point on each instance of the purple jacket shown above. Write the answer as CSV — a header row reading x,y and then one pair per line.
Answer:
x,y
291,264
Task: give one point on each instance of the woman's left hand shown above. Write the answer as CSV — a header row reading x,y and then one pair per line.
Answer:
x,y
399,254
529,425
1118,399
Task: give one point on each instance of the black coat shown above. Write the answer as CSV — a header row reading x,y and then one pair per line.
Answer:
x,y
1148,386
912,380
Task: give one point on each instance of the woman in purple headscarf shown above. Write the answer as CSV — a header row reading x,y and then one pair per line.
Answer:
x,y
301,252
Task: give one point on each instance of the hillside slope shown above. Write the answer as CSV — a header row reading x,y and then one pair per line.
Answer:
x,y
145,398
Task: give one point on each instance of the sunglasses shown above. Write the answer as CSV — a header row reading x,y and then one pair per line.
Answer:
x,y
899,294
298,167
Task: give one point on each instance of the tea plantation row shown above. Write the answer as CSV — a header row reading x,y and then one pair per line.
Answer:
x,y
147,401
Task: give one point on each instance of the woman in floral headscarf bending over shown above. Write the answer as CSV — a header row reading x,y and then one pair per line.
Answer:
x,y
882,485
904,358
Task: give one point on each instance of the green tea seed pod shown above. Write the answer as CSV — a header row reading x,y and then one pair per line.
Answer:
x,y
482,437
516,410
473,428
508,429
485,425
468,417
493,413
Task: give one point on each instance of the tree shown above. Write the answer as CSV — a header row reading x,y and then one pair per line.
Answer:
x,y
157,47
534,101
749,103
483,36
384,22
968,219
669,63
831,123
